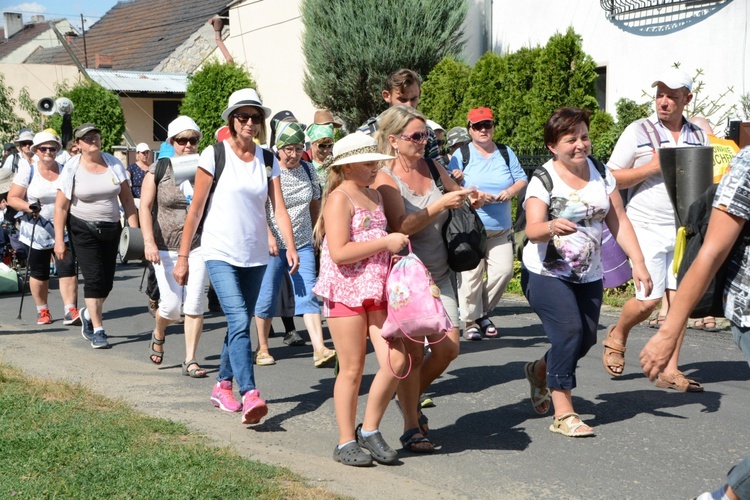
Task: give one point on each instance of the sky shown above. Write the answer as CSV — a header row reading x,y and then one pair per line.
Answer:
x,y
56,9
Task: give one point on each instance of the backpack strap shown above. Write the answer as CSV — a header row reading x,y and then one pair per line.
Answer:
x,y
161,168
268,160
219,161
306,166
503,152
544,176
465,156
651,132
599,166
435,175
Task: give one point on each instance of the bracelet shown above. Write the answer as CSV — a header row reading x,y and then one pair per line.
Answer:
x,y
551,230
185,256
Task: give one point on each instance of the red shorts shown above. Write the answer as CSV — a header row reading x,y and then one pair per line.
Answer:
x,y
338,310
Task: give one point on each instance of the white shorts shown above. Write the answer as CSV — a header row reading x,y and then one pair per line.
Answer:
x,y
173,295
657,244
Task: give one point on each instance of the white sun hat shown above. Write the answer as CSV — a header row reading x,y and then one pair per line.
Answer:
x,y
244,97
355,148
43,137
182,124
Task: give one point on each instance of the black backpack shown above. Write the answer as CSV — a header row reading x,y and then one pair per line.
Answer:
x,y
711,302
466,154
463,232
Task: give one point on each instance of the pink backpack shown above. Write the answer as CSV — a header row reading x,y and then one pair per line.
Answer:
x,y
414,305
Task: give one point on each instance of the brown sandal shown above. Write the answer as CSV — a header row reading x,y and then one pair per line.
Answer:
x,y
614,354
679,382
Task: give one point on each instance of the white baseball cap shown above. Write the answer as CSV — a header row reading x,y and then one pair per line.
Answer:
x,y
675,79
435,126
142,147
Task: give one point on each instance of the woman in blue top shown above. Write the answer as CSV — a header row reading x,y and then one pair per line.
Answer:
x,y
491,174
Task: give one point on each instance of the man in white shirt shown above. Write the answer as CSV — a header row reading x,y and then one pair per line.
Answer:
x,y
635,165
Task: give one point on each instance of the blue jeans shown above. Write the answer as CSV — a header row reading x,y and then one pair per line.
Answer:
x,y
303,281
237,289
741,337
570,315
739,478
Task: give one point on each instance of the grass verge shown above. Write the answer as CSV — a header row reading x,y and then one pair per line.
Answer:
x,y
64,440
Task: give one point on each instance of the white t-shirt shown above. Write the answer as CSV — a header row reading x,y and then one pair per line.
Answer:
x,y
235,229
650,204
21,162
575,257
45,192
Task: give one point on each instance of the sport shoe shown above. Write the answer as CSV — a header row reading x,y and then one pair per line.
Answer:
x,y
99,340
253,408
223,398
44,317
264,358
376,445
153,305
87,327
72,317
293,339
324,357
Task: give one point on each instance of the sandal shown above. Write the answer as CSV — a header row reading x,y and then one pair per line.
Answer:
x,y
539,392
376,445
411,443
707,324
679,382
614,354
472,333
352,454
564,425
195,372
656,321
487,327
154,352
422,420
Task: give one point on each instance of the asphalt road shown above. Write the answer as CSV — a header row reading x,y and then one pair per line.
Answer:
x,y
650,442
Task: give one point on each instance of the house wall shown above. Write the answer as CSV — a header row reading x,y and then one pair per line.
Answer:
x,y
39,79
266,35
718,44
189,56
46,39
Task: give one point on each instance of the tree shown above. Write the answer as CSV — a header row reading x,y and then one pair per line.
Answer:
x,y
351,47
443,93
605,132
564,75
10,123
207,95
92,103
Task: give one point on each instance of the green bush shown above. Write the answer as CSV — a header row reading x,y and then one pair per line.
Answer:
x,y
449,80
351,47
208,92
10,123
94,104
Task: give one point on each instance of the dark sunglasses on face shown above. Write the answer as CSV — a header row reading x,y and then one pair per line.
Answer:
x,y
21,144
187,140
256,118
325,146
47,149
484,125
416,137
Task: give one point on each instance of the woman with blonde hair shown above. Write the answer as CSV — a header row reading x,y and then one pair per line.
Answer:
x,y
415,206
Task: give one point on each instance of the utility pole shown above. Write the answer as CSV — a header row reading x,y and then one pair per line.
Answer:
x,y
85,53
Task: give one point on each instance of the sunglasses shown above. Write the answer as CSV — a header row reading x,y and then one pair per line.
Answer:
x,y
483,125
416,137
256,118
25,143
325,146
91,138
47,149
187,140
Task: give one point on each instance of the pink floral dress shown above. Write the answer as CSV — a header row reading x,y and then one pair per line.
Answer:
x,y
353,284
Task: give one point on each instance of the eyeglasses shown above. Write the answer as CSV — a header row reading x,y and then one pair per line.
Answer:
x,y
483,125
47,149
187,140
292,150
416,137
256,118
91,138
325,146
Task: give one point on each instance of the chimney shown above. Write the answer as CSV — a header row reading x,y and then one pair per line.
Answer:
x,y
13,23
37,19
103,61
70,36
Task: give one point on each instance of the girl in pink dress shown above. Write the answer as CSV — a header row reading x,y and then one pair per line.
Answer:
x,y
354,260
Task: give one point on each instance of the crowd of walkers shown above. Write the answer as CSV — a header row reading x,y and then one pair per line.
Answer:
x,y
282,230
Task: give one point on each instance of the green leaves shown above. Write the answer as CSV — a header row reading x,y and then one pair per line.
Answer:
x,y
351,47
207,95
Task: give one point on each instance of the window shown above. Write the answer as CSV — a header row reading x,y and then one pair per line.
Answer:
x,y
601,86
164,112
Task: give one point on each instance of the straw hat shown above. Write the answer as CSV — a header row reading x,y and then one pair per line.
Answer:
x,y
355,148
